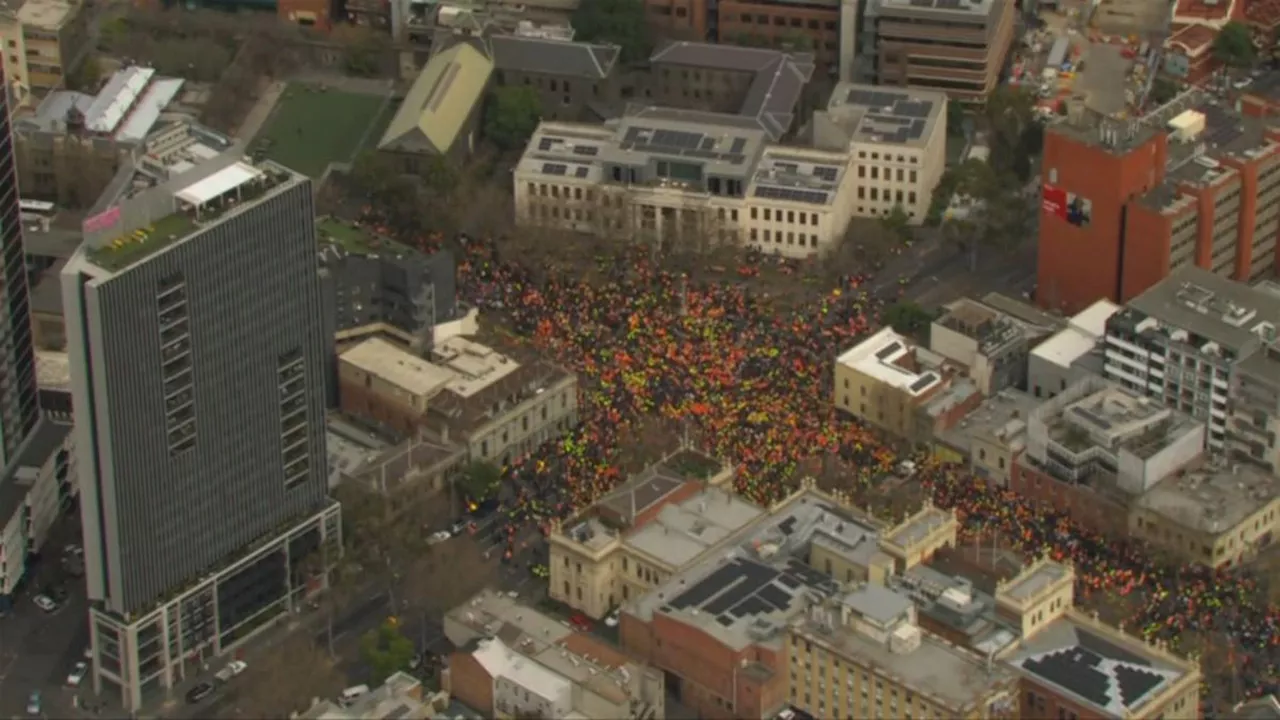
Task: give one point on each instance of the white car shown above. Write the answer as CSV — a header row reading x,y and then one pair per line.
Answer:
x,y
237,666
76,676
438,537
45,603
612,619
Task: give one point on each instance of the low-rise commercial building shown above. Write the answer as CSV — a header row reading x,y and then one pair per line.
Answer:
x,y
1072,353
863,654
400,697
1217,515
492,404
44,42
991,437
652,526
720,625
954,46
1073,665
513,661
892,383
1097,446
41,483
991,346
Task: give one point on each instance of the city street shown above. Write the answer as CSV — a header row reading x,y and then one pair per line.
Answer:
x,y
38,649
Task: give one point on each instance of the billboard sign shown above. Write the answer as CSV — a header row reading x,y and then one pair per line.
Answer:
x,y
1054,201
1079,210
102,221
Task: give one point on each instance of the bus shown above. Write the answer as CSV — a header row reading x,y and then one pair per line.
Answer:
x,y
36,211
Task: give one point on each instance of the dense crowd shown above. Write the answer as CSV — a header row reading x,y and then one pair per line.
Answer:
x,y
757,387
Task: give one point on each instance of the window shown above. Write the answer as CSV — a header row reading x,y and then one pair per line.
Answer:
x,y
791,216
295,441
753,213
768,214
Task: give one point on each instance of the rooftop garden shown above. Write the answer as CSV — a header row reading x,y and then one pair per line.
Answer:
x,y
356,239
140,243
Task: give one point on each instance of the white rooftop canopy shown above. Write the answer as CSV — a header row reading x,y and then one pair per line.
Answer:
x,y
219,183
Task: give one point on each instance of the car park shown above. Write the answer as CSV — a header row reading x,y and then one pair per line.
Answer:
x,y
45,603
199,692
76,676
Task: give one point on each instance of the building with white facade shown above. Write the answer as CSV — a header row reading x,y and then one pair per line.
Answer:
x,y
1186,340
41,484
1072,353
897,142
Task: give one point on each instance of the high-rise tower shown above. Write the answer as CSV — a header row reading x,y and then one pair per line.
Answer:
x,y
195,336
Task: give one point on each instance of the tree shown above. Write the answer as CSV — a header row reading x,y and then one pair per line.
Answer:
x,y
86,77
1234,45
1015,134
907,317
511,116
444,577
363,54
1163,90
386,650
479,481
286,679
955,118
898,224
620,22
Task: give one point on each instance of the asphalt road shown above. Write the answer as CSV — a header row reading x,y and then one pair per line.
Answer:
x,y
38,649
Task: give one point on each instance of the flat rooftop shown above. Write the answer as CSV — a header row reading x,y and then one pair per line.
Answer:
x,y
920,526
947,675
681,532
1027,585
890,358
887,115
1097,667
799,175
398,367
1110,417
484,396
201,196
945,8
47,14
1080,337
953,601
1001,417
356,239
474,366
1212,499
1213,313
748,593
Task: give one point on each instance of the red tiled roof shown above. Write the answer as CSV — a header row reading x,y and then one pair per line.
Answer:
x,y
1265,13
1192,39
1220,10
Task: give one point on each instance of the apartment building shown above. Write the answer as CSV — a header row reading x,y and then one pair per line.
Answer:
x,y
953,46
991,345
1096,446
494,405
991,437
1072,353
1181,341
1072,665
1218,514
892,383
863,654
637,536
514,661
1191,183
896,139
39,485
44,42
719,625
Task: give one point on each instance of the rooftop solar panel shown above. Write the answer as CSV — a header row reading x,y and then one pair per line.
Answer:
x,y
586,150
581,172
915,108
554,169
917,129
773,595
888,350
787,167
739,144
703,154
708,143
725,620
735,159
750,607
705,590
787,526
789,580
814,197
826,173
546,143
922,382
633,134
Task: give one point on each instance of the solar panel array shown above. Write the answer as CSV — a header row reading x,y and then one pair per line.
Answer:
x,y
814,197
744,588
826,172
1221,128
547,143
554,168
581,172
586,150
686,144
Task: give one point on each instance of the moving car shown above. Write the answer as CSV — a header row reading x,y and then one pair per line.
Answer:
x,y
45,603
33,703
580,622
199,692
237,666
76,676
439,536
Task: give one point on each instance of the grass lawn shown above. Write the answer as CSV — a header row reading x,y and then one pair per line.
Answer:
x,y
379,126
311,128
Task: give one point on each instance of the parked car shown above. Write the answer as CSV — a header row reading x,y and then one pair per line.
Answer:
x,y
458,528
45,603
612,619
76,676
33,703
199,692
237,666
580,622
439,536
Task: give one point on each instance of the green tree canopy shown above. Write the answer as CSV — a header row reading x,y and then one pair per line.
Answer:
x,y
907,318
898,224
955,118
1234,45
386,651
621,22
1163,90
511,115
479,480
1016,134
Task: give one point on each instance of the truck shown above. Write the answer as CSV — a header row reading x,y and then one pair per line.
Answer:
x,y
1058,53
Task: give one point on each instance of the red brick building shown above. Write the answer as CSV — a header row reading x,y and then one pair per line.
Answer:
x,y
1094,503
1126,202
